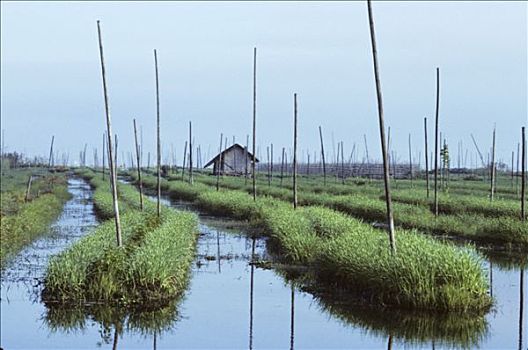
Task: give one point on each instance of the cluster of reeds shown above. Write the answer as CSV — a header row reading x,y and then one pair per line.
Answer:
x,y
152,265
425,274
479,220
24,215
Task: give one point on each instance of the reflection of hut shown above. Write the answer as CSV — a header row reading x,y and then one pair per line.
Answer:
x,y
232,161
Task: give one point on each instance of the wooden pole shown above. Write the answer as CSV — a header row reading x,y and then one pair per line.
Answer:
x,y
268,159
246,160
512,168
219,163
517,173
28,188
308,165
158,133
282,166
51,151
492,184
184,161
382,133
322,155
104,155
271,166
115,153
254,122
436,142
295,151
367,154
190,155
342,164
112,165
523,174
426,158
478,150
410,161
148,161
138,168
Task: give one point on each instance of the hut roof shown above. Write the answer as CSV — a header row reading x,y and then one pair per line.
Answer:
x,y
235,145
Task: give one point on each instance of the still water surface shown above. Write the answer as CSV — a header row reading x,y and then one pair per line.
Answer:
x,y
231,303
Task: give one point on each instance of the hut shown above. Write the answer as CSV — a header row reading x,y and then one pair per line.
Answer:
x,y
232,161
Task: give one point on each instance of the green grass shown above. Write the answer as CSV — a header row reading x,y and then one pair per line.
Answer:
x,y
425,274
152,266
471,217
22,222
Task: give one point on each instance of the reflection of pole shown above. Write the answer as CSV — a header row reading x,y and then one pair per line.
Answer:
x,y
389,342
292,318
491,278
116,336
521,306
251,295
155,343
218,250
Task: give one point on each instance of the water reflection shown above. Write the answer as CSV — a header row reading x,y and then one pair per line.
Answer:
x,y
251,288
116,320
413,328
521,307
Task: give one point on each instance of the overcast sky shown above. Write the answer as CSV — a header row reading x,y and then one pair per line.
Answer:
x,y
51,79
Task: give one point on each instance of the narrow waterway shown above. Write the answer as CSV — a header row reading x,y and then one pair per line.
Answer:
x,y
234,304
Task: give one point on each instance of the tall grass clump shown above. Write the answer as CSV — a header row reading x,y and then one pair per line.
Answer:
x,y
21,221
152,266
425,274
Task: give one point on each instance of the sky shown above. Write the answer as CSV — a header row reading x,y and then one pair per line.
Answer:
x,y
51,76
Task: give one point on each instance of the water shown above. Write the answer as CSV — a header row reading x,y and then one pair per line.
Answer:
x,y
231,303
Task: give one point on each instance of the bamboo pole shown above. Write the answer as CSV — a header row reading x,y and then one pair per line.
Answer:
x,y
436,142
269,171
308,165
104,155
282,166
382,132
410,161
426,158
184,161
190,155
478,150
158,143
28,188
113,177
342,164
115,154
246,160
271,166
219,163
51,151
512,168
523,174
295,151
254,122
492,184
322,155
138,168
517,172
367,155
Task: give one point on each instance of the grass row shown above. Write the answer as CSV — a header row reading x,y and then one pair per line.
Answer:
x,y
484,224
425,274
21,222
152,266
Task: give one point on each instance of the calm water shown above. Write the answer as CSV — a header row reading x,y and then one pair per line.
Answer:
x,y
231,303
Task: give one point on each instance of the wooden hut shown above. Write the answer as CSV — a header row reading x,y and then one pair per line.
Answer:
x,y
232,161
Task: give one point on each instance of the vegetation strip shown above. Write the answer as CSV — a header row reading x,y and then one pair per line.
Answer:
x,y
152,266
426,274
21,220
476,225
